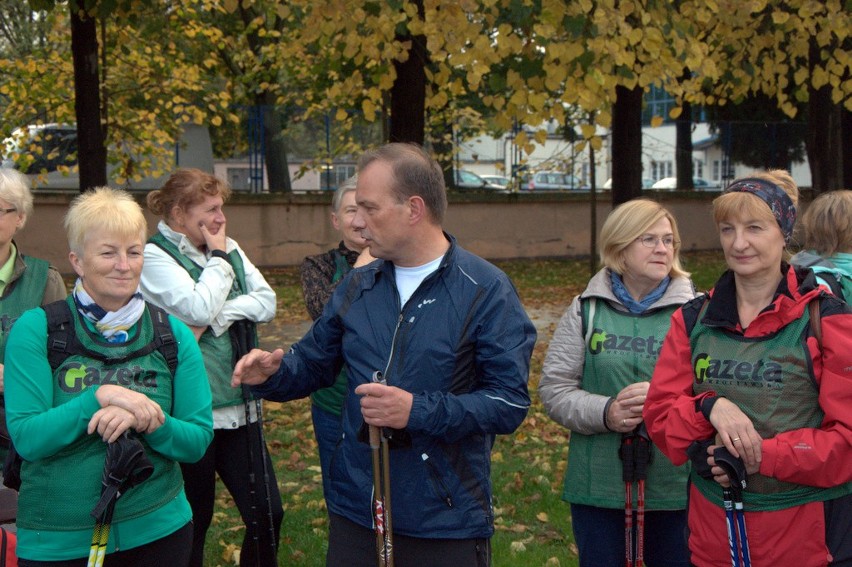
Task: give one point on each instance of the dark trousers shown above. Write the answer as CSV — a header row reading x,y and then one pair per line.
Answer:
x,y
599,534
838,530
228,455
350,545
172,550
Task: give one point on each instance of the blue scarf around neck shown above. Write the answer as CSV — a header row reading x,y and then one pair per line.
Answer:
x,y
621,293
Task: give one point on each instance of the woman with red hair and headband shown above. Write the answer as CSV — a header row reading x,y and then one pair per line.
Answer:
x,y
754,385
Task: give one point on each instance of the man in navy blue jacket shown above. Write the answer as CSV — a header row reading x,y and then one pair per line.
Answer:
x,y
450,336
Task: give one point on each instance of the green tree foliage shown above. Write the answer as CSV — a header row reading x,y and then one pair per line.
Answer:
x,y
523,61
150,85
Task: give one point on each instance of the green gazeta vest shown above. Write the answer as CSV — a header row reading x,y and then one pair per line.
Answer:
x,y
83,460
218,352
621,349
331,399
26,293
771,378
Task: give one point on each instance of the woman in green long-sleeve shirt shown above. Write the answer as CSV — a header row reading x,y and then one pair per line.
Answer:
x,y
61,417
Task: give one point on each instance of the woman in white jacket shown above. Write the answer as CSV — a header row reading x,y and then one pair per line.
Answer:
x,y
595,377
202,277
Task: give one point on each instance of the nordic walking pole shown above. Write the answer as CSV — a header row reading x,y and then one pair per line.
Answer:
x,y
125,466
729,519
252,480
739,514
243,341
625,452
381,490
641,460
733,498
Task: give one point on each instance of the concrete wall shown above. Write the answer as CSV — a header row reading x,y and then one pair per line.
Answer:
x,y
281,230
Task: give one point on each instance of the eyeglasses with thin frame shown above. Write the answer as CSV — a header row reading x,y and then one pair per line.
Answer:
x,y
651,241
7,211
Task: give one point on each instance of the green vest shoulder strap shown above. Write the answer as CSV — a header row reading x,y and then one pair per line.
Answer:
x,y
62,340
341,266
691,310
172,250
36,280
587,313
194,269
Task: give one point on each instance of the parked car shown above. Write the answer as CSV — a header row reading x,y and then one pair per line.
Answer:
x,y
500,180
469,181
670,184
552,181
646,184
47,153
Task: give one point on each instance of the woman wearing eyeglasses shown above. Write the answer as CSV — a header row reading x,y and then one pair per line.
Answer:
x,y
25,282
595,377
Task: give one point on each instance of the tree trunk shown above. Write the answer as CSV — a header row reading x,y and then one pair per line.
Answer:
x,y
274,147
846,146
626,145
442,149
91,146
408,94
683,148
824,142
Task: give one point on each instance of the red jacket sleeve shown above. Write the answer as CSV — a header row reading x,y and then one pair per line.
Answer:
x,y
670,409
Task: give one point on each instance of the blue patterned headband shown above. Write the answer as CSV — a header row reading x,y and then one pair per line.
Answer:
x,y
776,198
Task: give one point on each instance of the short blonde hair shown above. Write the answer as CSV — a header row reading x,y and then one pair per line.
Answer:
x,y
827,223
625,224
15,190
741,205
113,210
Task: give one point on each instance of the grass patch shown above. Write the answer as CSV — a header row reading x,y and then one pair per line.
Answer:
x,y
532,522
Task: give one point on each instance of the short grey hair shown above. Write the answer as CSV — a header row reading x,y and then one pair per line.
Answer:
x,y
15,190
345,187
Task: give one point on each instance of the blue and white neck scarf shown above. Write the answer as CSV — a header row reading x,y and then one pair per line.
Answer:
x,y
113,325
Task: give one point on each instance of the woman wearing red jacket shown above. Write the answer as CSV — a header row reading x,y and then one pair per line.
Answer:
x,y
744,368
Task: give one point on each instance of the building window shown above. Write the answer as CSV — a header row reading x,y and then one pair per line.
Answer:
x,y
698,168
657,103
238,178
332,177
660,169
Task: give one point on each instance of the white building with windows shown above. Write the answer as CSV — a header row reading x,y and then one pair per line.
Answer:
x,y
486,155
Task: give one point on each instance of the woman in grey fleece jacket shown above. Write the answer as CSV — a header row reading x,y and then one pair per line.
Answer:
x,y
594,381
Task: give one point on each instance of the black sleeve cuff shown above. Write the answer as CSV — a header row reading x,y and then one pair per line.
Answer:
x,y
707,406
605,412
221,254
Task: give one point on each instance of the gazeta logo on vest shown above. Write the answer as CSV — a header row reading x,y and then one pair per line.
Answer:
x,y
760,373
74,377
602,340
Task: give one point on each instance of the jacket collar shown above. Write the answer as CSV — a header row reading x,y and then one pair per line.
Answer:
x,y
183,243
449,257
797,287
680,290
